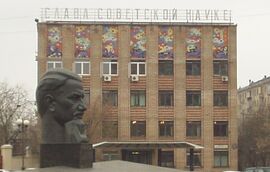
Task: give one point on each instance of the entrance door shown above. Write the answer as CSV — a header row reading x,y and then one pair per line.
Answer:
x,y
139,156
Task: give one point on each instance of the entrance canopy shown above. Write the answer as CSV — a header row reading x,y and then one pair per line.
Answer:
x,y
146,145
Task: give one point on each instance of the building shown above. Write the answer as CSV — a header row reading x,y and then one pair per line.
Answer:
x,y
253,97
156,81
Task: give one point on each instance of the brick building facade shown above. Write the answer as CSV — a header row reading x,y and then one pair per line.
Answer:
x,y
159,83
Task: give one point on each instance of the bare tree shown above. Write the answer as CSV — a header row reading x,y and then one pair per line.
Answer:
x,y
254,137
14,104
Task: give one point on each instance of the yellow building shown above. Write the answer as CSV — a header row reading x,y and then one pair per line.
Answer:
x,y
153,82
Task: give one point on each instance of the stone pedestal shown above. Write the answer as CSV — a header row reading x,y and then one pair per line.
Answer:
x,y
72,155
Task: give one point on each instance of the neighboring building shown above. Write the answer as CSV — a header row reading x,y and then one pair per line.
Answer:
x,y
159,82
253,96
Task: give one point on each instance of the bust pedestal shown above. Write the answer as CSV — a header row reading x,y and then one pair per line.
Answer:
x,y
64,154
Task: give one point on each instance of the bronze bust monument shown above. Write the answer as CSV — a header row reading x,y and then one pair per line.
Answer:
x,y
61,106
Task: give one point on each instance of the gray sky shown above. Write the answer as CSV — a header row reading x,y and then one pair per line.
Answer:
x,y
18,35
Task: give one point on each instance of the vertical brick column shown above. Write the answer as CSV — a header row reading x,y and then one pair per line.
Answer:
x,y
68,46
207,97
152,83
232,95
179,93
42,49
123,80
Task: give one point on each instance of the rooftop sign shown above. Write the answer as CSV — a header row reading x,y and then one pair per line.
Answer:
x,y
136,15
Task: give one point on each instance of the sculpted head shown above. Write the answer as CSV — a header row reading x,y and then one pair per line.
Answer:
x,y
60,95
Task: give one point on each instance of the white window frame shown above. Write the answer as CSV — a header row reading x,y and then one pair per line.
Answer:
x,y
54,64
110,68
138,68
82,62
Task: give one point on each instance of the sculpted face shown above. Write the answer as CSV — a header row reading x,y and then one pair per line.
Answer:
x,y
69,104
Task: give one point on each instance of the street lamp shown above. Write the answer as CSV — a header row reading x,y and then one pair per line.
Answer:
x,y
22,125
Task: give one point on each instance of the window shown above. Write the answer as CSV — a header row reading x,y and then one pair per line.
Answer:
x,y
220,128
221,158
87,96
110,68
82,68
193,68
137,128
54,64
165,67
109,129
193,129
220,98
193,98
196,158
165,98
137,98
167,159
110,97
221,68
111,155
137,68
166,128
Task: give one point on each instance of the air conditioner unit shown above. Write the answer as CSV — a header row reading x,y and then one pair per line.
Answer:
x,y
224,78
134,78
107,78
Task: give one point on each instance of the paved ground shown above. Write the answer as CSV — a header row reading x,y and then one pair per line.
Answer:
x,y
110,166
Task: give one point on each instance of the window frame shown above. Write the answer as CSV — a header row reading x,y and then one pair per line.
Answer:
x,y
195,126
192,93
110,68
163,98
165,62
218,128
219,158
54,65
137,94
82,68
168,127
218,98
111,135
193,64
220,64
138,68
197,153
109,94
137,124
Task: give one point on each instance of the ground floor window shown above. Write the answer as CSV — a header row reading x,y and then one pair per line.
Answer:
x,y
167,159
221,158
196,158
111,155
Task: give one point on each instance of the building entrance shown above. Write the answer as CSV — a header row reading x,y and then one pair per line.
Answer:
x,y
139,156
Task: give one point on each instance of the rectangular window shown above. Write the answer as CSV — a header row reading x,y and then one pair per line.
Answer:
x,y
165,98
110,97
165,67
111,155
167,159
221,158
110,68
221,68
87,96
193,129
193,98
166,128
220,128
137,98
193,68
196,158
109,129
54,64
137,128
82,68
137,68
220,98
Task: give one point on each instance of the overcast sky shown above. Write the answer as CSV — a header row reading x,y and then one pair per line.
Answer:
x,y
18,33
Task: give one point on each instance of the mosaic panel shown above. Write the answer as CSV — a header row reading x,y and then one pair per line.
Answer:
x,y
109,42
54,49
165,42
82,42
193,43
220,43
137,42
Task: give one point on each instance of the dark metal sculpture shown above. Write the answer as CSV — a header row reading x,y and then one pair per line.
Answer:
x,y
60,103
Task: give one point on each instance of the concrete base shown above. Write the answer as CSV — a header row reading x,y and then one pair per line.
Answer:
x,y
71,155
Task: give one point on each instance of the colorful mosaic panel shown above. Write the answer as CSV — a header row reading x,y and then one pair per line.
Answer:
x,y
193,43
54,49
109,42
82,42
220,43
165,42
137,42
